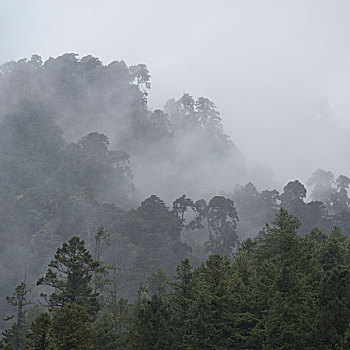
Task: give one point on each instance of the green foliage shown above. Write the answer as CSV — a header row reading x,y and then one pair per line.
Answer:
x,y
71,329
38,337
122,314
14,336
152,329
156,231
282,291
106,336
222,224
157,283
70,274
220,217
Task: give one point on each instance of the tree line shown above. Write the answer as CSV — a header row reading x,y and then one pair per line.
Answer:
x,y
280,290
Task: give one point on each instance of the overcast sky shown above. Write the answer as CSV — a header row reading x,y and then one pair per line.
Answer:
x,y
266,64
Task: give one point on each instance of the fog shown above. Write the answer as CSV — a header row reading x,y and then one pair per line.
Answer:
x,y
268,66
151,117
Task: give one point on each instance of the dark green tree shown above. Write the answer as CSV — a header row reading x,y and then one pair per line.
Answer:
x,y
70,274
38,337
211,321
156,231
153,327
334,308
15,335
105,334
71,329
222,224
293,196
158,282
285,285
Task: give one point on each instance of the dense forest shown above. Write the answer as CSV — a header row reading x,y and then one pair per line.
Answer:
x,y
127,228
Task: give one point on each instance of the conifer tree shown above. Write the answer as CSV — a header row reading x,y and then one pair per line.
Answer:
x,y
38,337
71,329
70,275
106,336
153,327
14,337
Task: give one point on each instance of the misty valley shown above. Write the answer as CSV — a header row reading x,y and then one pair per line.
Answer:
x,y
123,227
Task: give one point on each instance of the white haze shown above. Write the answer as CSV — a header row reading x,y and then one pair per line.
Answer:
x,y
278,71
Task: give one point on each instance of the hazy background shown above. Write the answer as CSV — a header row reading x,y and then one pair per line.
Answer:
x,y
277,70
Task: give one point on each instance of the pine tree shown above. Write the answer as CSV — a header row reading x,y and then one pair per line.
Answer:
x,y
15,336
153,327
70,274
211,317
71,329
38,337
158,282
284,285
106,337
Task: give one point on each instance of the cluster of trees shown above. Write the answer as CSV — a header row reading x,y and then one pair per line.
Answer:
x,y
50,188
83,95
60,173
281,290
328,205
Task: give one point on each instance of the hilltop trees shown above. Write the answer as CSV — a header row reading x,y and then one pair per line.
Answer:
x,y
71,129
293,196
334,209
322,181
197,126
222,224
220,218
79,148
156,230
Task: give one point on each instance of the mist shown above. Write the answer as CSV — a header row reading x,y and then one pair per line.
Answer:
x,y
267,66
169,131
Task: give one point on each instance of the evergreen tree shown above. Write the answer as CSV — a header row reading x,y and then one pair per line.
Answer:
x,y
284,285
70,275
38,337
213,318
153,327
182,299
15,335
158,282
293,196
71,329
106,336
222,224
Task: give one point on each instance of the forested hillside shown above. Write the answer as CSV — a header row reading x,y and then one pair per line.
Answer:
x,y
84,95
149,195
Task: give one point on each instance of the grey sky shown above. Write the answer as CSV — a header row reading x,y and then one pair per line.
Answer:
x,y
264,63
